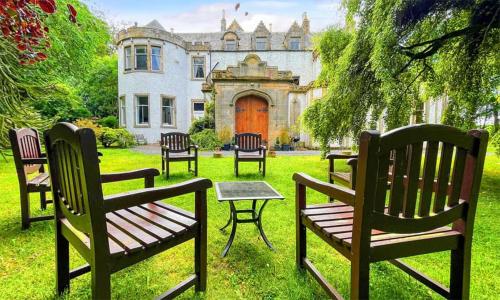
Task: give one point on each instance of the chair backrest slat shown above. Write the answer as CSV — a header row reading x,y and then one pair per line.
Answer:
x,y
397,187
428,178
248,142
443,177
405,146
458,176
176,141
412,179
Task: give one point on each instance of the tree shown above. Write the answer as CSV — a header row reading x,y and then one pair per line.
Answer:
x,y
394,55
100,89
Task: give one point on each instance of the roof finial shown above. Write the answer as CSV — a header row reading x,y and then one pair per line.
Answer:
x,y
223,23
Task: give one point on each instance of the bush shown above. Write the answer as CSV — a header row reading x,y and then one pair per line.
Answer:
x,y
121,137
206,139
495,141
205,122
109,121
89,123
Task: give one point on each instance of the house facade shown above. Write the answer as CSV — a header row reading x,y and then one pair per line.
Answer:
x,y
261,80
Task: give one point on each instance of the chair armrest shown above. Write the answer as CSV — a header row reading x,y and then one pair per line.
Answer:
x,y
353,162
194,146
148,195
34,161
164,147
236,147
147,174
343,194
262,147
340,156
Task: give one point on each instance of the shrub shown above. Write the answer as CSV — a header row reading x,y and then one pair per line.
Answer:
x,y
89,123
225,135
205,122
109,121
206,139
284,137
121,137
495,141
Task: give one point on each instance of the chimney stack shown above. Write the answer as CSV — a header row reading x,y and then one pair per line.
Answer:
x,y
306,24
223,21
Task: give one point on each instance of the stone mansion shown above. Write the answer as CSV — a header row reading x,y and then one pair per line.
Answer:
x,y
262,80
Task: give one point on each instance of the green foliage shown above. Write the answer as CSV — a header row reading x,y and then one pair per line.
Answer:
x,y
100,88
119,137
495,141
205,122
206,139
109,121
393,55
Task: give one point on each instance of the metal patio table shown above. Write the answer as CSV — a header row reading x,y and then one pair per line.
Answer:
x,y
245,191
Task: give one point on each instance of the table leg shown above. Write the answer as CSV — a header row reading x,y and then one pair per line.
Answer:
x,y
259,225
230,219
233,230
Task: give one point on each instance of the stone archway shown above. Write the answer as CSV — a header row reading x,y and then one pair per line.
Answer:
x,y
252,115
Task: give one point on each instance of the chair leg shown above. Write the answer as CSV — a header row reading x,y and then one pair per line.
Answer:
x,y
196,167
360,276
62,261
264,168
301,246
236,168
460,273
168,169
25,210
43,201
189,166
101,282
162,165
200,262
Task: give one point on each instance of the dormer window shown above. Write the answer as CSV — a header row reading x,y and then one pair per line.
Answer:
x,y
231,45
261,43
294,43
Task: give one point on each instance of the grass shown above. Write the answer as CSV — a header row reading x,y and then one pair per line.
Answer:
x,y
251,270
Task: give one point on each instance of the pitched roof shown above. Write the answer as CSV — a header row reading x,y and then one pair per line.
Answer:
x,y
235,27
261,29
155,25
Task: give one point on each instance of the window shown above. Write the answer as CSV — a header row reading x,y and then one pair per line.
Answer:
x,y
198,67
141,58
294,43
142,110
128,58
261,43
167,111
231,45
198,109
155,58
122,111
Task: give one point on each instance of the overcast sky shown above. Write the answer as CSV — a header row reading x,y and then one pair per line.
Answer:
x,y
204,16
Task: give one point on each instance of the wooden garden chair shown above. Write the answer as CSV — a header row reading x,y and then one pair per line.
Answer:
x,y
29,161
418,215
177,146
346,178
249,148
117,231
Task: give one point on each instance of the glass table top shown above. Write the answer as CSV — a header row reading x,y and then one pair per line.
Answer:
x,y
246,190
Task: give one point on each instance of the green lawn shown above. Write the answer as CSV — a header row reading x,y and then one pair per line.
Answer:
x,y
250,270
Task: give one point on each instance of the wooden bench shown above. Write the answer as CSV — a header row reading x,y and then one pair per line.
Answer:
x,y
249,148
418,215
177,146
116,231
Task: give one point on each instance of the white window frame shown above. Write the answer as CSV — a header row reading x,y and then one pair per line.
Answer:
x,y
196,101
141,106
145,47
261,41
159,55
194,66
122,110
172,110
127,58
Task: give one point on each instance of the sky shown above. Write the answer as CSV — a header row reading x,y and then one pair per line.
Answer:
x,y
204,16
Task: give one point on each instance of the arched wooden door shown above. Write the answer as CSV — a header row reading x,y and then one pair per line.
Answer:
x,y
252,115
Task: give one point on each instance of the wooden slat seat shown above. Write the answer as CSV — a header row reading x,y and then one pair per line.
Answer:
x,y
141,227
39,183
334,221
345,177
249,148
177,156
251,155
